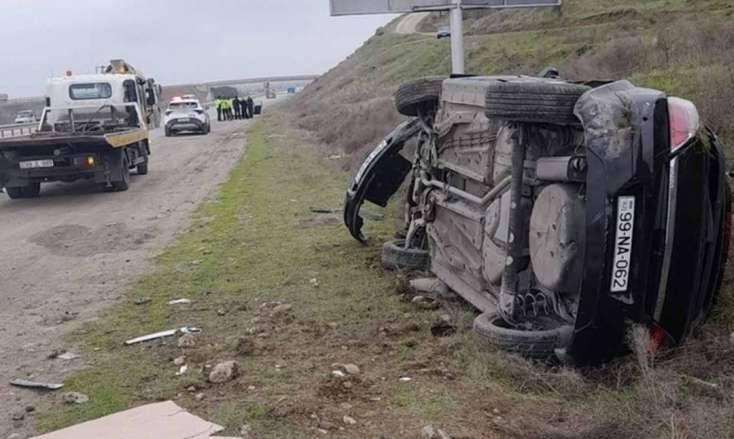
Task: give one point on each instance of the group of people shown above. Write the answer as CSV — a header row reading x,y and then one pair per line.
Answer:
x,y
235,109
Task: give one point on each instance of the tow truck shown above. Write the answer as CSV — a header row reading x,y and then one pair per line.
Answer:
x,y
94,127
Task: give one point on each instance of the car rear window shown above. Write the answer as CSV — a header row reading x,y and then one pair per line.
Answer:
x,y
96,90
183,106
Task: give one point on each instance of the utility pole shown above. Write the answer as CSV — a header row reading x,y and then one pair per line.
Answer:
x,y
456,21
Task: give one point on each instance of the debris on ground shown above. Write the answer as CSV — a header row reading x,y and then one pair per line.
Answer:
x,y
406,379
182,370
431,286
162,334
324,211
315,282
74,398
179,361
180,302
36,385
425,303
143,301
164,420
282,309
351,369
186,341
68,356
224,372
443,327
349,420
429,432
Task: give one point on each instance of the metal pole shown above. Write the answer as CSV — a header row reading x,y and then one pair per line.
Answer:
x,y
457,38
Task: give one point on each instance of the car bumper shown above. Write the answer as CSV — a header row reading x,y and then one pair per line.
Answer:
x,y
189,125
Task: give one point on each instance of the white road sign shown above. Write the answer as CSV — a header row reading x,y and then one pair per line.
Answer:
x,y
358,7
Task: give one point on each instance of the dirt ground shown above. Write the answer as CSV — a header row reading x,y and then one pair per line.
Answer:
x,y
74,251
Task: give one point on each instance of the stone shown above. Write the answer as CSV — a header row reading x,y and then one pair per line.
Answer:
x,y
199,397
349,420
428,432
431,286
224,372
74,398
351,369
187,341
180,361
282,309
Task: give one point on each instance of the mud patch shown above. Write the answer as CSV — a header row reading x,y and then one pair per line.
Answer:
x,y
81,241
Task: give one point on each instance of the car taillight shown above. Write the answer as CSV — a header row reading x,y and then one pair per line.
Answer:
x,y
684,122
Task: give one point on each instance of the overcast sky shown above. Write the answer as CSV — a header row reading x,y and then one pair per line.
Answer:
x,y
175,41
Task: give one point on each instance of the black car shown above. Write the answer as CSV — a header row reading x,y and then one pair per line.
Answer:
x,y
564,211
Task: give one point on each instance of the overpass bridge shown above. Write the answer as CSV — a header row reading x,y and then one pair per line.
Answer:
x,y
244,87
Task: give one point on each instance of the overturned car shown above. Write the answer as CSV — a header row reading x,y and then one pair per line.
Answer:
x,y
563,211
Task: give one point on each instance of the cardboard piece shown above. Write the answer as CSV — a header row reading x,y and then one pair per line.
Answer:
x,y
164,420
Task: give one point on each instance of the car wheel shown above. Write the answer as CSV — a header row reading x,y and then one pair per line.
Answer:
x,y
419,96
168,132
540,342
31,190
534,100
396,257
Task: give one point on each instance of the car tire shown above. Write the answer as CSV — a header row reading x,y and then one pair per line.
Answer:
x,y
168,132
419,96
533,344
396,257
31,190
534,100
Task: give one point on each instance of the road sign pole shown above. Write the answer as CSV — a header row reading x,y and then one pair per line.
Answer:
x,y
457,38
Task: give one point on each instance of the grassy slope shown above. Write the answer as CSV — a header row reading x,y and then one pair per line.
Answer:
x,y
680,46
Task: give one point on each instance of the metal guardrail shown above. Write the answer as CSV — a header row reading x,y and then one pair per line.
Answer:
x,y
17,130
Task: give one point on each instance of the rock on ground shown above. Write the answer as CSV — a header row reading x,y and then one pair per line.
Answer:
x,y
224,372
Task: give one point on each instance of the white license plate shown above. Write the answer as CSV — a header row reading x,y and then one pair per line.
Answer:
x,y
183,120
623,244
32,164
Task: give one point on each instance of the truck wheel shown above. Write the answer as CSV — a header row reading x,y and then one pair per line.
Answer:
x,y
419,96
124,183
534,100
32,190
396,257
142,168
538,344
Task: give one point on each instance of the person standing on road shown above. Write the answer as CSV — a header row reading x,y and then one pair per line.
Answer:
x,y
245,113
251,106
218,104
237,108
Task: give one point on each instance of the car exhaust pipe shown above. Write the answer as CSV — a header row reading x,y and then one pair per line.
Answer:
x,y
510,277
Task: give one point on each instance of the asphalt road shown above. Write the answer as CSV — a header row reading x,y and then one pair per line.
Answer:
x,y
75,251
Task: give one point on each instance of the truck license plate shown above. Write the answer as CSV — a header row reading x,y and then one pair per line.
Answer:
x,y
623,244
32,164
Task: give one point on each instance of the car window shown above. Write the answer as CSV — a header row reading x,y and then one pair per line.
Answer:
x,y
97,90
183,106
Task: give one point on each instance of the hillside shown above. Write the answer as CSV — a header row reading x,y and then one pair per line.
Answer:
x,y
680,46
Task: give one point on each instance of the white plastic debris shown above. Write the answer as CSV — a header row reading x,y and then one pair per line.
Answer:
x,y
180,302
162,334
